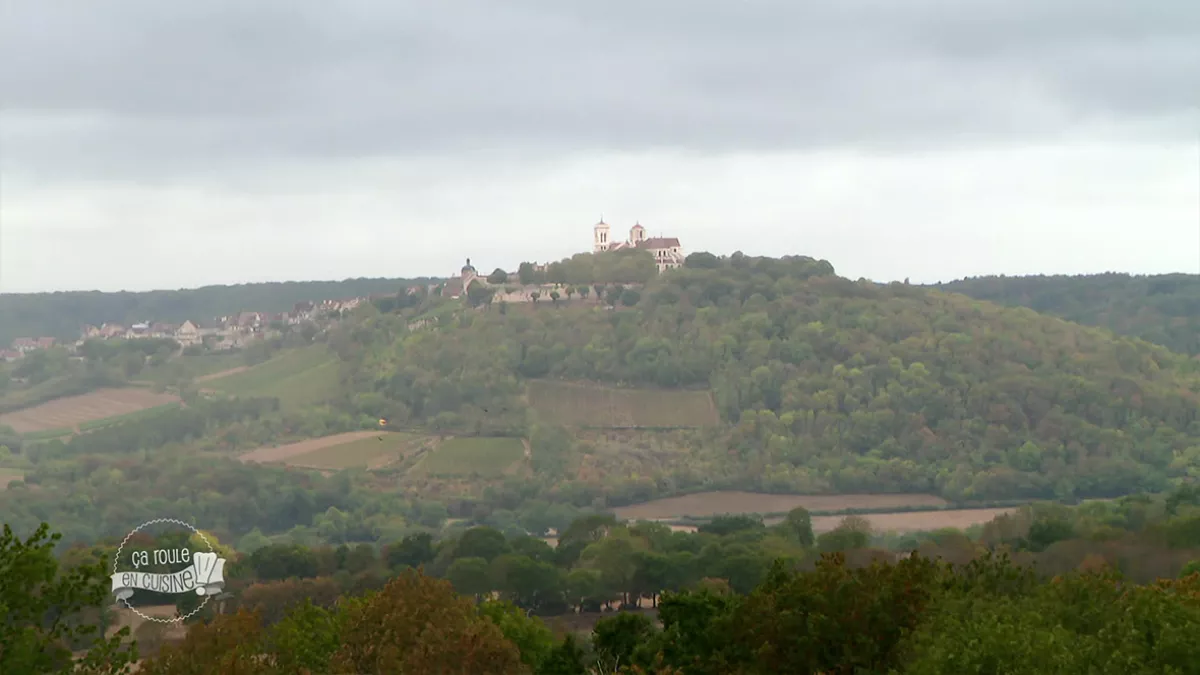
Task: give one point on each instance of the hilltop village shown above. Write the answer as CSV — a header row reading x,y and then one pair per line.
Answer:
x,y
522,285
235,331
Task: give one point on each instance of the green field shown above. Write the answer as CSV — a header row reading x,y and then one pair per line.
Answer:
x,y
9,475
364,453
191,367
591,405
48,435
485,457
55,387
128,417
298,378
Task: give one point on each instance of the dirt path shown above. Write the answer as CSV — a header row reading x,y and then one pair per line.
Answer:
x,y
223,373
732,501
283,452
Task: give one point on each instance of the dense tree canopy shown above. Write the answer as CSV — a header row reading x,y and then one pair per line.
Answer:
x,y
1164,309
825,384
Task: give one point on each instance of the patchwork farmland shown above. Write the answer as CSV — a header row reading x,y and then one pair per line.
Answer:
x,y
73,411
591,405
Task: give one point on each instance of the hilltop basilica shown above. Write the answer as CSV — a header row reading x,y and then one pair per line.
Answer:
x,y
667,252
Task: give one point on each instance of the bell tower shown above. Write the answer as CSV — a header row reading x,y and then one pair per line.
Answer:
x,y
600,236
637,234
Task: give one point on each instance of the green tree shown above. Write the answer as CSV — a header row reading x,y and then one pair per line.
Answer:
x,y
797,525
49,613
1193,567
481,542
306,639
497,277
531,636
470,576
412,551
567,658
702,260
617,638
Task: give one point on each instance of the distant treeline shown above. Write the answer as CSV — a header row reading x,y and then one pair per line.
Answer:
x,y
1164,309
62,314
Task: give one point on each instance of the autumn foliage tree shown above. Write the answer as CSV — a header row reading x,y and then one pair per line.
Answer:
x,y
418,625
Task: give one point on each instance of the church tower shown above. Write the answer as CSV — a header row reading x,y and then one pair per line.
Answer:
x,y
637,234
600,234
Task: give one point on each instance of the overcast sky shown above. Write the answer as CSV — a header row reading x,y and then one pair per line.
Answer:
x,y
151,144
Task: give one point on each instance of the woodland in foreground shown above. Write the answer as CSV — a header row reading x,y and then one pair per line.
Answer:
x,y
1047,590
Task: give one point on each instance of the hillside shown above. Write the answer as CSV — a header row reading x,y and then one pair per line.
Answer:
x,y
735,376
61,315
1164,309
821,385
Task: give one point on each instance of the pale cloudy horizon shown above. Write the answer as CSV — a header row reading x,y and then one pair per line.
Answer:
x,y
171,145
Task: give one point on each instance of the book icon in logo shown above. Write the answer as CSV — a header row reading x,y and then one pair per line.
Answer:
x,y
210,571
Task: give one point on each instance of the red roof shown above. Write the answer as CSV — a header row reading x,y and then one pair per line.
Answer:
x,y
659,242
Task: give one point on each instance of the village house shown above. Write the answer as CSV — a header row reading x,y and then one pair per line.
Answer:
x,y
188,334
667,251
25,345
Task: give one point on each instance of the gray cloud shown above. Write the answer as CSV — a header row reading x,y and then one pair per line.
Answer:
x,y
153,89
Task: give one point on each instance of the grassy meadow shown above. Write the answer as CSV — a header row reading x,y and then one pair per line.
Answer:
x,y
297,378
482,456
590,405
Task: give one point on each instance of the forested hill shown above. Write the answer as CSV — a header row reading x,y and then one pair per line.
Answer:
x,y
1164,308
62,314
825,383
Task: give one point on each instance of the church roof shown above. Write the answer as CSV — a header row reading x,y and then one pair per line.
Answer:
x,y
659,242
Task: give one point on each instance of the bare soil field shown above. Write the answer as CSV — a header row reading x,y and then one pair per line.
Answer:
x,y
223,373
285,452
374,452
705,504
585,404
71,411
9,475
916,521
